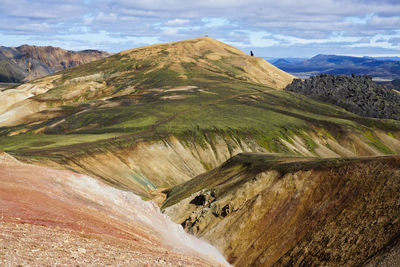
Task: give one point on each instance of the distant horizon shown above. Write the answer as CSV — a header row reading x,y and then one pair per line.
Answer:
x,y
248,52
349,55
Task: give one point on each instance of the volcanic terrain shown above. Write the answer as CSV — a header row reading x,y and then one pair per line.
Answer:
x,y
27,62
207,133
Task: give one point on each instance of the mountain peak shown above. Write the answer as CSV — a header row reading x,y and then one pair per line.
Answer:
x,y
320,56
211,57
199,45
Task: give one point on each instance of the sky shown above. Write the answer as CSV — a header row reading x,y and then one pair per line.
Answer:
x,y
270,28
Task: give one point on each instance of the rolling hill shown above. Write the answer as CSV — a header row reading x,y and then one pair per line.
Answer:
x,y
167,122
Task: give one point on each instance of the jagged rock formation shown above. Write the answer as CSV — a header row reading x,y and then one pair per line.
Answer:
x,y
264,209
52,217
357,94
27,62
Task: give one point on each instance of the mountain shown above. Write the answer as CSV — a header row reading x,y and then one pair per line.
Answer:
x,y
357,94
26,62
159,121
387,58
347,65
289,60
282,61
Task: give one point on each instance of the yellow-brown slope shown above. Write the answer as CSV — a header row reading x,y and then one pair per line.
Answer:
x,y
207,52
264,210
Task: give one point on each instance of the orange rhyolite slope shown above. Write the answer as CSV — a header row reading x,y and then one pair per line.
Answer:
x,y
59,217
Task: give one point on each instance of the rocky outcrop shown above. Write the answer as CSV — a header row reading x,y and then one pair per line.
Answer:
x,y
26,62
265,209
357,94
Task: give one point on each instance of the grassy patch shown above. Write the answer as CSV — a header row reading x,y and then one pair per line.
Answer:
x,y
373,140
310,144
25,141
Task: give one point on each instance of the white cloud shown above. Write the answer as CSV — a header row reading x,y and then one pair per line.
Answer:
x,y
177,22
170,31
214,22
322,25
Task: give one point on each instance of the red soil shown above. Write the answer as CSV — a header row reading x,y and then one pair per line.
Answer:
x,y
41,208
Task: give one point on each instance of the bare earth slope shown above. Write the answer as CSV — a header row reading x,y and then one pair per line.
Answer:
x,y
50,217
27,62
264,209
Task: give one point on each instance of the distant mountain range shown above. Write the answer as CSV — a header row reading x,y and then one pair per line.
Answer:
x,y
394,85
26,62
386,68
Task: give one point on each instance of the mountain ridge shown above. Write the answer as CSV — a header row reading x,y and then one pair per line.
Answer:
x,y
346,65
28,62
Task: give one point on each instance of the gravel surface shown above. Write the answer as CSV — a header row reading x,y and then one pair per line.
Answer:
x,y
389,258
33,245
59,218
